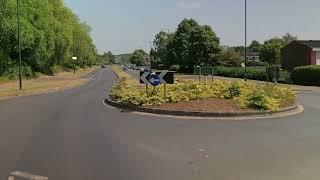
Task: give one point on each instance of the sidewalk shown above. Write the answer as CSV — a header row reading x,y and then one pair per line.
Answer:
x,y
203,78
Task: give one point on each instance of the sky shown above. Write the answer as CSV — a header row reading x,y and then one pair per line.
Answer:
x,y
121,26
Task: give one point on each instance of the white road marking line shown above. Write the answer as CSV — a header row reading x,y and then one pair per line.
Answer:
x,y
26,175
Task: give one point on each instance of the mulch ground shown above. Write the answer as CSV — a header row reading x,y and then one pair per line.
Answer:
x,y
205,105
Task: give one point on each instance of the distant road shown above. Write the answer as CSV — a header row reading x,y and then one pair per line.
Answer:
x,y
71,135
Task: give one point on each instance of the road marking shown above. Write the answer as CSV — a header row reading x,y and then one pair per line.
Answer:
x,y
26,175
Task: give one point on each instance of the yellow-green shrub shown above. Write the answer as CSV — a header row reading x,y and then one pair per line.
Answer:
x,y
246,95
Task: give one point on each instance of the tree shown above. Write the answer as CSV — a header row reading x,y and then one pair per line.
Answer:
x,y
192,44
109,57
255,46
270,51
48,31
160,43
229,57
288,38
137,57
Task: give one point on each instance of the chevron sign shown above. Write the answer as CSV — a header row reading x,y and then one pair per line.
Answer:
x,y
166,77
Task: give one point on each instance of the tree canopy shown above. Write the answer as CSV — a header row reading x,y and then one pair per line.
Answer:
x,y
191,44
137,57
49,30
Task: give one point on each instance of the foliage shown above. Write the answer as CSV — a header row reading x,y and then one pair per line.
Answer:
x,y
270,50
254,73
229,57
159,53
137,57
255,46
246,95
48,30
306,75
256,64
106,58
175,68
191,44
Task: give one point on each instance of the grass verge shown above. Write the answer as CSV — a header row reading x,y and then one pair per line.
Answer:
x,y
44,84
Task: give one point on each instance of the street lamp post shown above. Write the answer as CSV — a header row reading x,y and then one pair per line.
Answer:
x,y
19,44
245,40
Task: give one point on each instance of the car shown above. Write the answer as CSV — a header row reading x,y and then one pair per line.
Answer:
x,y
125,68
103,66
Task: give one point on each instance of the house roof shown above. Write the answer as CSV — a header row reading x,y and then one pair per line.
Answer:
x,y
310,43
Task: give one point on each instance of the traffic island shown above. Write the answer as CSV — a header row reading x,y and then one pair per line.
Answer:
x,y
294,109
214,99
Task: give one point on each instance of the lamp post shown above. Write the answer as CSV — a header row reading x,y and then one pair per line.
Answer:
x,y
245,40
19,44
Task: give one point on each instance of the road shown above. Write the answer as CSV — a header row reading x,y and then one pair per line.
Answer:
x,y
71,135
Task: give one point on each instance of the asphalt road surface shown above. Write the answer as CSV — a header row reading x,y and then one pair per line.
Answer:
x,y
71,135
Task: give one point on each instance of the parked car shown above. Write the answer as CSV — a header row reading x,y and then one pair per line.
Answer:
x,y
125,68
103,66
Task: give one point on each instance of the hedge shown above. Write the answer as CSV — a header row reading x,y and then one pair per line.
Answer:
x,y
306,75
254,73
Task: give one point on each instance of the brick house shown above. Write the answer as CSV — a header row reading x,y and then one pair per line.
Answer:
x,y
300,53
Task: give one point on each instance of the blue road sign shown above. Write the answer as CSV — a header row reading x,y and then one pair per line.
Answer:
x,y
154,80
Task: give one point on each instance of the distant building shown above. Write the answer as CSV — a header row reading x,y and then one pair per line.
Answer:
x,y
300,53
253,56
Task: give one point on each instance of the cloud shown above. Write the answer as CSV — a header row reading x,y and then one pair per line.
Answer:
x,y
189,4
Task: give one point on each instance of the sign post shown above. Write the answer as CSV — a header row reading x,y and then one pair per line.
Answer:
x,y
157,78
74,64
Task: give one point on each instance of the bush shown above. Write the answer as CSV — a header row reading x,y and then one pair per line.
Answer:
x,y
254,73
175,68
246,95
256,64
306,75
12,73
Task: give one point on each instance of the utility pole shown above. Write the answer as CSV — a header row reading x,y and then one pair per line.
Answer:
x,y
19,44
245,41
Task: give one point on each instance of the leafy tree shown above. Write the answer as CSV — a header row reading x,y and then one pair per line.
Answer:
x,y
192,44
160,43
48,31
137,57
288,38
110,57
229,57
270,52
255,46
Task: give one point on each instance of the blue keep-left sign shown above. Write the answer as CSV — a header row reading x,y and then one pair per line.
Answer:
x,y
154,79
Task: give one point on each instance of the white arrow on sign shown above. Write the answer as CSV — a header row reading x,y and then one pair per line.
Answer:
x,y
144,78
161,76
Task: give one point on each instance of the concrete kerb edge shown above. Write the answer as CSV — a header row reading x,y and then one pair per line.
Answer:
x,y
181,113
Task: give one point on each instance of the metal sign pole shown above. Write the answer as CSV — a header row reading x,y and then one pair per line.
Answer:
x,y
147,90
165,91
199,74
212,74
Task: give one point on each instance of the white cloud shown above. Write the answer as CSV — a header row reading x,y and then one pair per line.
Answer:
x,y
189,4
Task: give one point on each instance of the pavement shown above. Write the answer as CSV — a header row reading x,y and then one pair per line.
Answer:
x,y
71,135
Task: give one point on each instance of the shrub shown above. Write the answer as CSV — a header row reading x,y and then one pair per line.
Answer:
x,y
306,75
256,63
246,95
13,72
254,73
175,68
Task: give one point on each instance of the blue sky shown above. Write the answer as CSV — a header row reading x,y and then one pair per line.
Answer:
x,y
124,25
